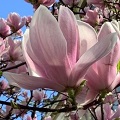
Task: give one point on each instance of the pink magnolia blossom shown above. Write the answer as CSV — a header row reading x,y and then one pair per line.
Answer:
x,y
28,20
110,98
93,17
102,75
56,53
12,50
15,21
4,28
38,95
109,114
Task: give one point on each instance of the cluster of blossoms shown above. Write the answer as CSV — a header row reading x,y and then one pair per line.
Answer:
x,y
72,48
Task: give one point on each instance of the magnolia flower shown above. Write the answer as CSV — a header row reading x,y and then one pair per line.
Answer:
x,y
14,50
11,52
28,20
110,98
93,17
15,21
102,75
56,53
38,95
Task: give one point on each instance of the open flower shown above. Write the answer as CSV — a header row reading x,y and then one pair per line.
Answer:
x,y
15,21
102,75
11,50
60,53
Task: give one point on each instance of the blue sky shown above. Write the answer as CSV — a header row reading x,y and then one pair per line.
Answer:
x,y
19,6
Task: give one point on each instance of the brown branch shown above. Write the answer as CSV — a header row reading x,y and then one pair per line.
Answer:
x,y
65,109
13,67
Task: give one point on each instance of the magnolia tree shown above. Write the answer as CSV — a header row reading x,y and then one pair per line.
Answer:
x,y
65,66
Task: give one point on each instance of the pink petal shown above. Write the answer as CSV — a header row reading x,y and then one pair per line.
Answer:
x,y
107,65
47,45
115,82
38,95
80,97
91,95
88,37
93,79
107,112
106,29
99,50
116,26
30,82
68,25
31,65
107,109
14,20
